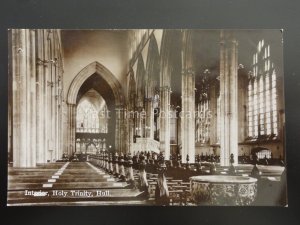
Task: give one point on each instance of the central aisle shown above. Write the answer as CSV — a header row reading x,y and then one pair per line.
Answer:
x,y
71,183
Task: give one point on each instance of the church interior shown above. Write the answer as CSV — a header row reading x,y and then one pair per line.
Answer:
x,y
146,117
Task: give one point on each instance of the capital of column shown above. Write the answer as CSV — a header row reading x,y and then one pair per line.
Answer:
x,y
234,42
71,104
188,71
228,41
51,61
45,62
49,31
165,88
40,62
120,107
148,99
222,42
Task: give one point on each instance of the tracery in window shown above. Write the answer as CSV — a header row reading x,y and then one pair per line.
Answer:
x,y
203,115
218,119
92,115
203,122
262,95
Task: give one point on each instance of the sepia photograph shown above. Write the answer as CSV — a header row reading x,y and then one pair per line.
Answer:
x,y
146,117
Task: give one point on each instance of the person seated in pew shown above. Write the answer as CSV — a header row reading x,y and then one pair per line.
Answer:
x,y
266,162
74,158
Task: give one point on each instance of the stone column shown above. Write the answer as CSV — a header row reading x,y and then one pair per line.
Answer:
x,y
188,100
118,113
125,136
56,96
60,127
71,128
60,93
139,126
31,97
47,113
118,137
213,113
58,155
164,132
40,147
149,119
143,116
188,116
229,100
19,98
130,135
53,86
23,73
242,102
122,132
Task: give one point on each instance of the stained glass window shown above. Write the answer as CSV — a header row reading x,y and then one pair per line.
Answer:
x,y
262,95
203,122
89,120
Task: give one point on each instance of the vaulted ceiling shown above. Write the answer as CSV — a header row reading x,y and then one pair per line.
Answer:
x,y
82,47
112,48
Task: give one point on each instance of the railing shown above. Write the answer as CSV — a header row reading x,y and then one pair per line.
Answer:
x,y
145,144
90,130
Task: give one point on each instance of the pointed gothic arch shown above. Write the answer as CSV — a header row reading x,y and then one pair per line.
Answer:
x,y
152,68
89,70
94,68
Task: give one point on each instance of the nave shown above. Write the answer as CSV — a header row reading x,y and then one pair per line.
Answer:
x,y
201,113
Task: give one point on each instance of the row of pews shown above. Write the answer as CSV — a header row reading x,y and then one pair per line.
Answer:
x,y
146,175
123,179
166,182
68,183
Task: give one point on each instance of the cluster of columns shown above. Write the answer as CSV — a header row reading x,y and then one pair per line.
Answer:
x,y
149,130
130,108
36,102
121,128
71,110
164,129
187,100
228,101
228,98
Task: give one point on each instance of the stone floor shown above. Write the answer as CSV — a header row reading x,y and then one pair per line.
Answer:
x,y
71,183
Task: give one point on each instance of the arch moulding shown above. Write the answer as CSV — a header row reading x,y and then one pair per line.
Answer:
x,y
85,73
80,78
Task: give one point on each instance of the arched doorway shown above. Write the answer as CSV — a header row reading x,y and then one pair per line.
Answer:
x,y
98,80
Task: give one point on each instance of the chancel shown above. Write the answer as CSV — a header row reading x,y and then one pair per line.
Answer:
x,y
146,117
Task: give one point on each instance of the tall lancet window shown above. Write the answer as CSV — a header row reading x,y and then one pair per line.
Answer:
x,y
262,95
87,118
203,122
156,102
92,113
218,119
203,116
